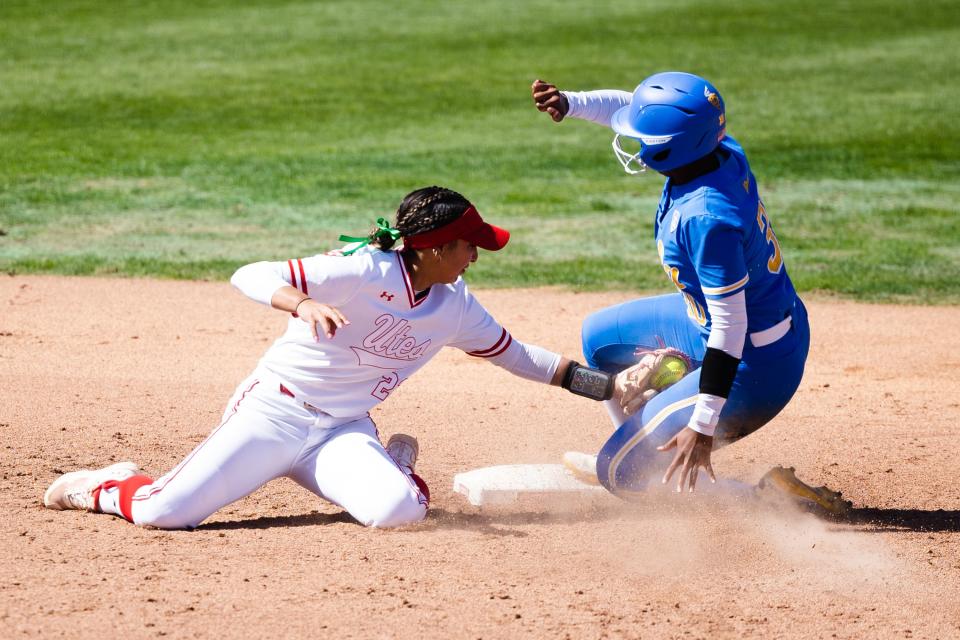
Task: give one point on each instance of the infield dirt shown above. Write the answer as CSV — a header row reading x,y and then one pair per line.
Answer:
x,y
94,371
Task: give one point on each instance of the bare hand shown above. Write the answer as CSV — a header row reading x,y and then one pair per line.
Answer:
x,y
693,451
317,314
549,99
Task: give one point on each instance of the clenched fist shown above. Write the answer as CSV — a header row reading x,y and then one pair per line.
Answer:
x,y
549,99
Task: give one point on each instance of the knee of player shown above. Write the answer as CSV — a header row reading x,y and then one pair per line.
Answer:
x,y
622,467
395,509
603,473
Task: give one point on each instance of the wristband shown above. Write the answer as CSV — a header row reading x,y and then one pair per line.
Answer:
x,y
302,300
717,372
586,382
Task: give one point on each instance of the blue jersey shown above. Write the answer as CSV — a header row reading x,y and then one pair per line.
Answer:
x,y
714,239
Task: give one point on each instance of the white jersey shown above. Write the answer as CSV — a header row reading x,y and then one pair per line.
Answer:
x,y
392,332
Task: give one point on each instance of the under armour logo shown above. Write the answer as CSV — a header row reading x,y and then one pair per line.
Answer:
x,y
388,296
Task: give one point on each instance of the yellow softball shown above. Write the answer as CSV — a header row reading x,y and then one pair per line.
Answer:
x,y
671,370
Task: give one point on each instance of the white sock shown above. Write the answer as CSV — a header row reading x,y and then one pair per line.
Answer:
x,y
110,501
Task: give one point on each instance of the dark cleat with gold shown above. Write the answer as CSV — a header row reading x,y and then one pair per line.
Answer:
x,y
784,481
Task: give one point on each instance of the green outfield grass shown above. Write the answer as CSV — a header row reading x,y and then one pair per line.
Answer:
x,y
183,139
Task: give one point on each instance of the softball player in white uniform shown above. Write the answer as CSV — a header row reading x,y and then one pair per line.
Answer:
x,y
362,324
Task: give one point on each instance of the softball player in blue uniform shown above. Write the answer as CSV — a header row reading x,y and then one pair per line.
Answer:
x,y
735,314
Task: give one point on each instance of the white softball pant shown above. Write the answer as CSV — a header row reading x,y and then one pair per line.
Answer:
x,y
264,435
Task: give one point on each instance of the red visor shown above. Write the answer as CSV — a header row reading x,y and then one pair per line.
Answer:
x,y
470,227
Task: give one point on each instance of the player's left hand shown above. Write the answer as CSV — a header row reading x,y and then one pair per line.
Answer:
x,y
693,451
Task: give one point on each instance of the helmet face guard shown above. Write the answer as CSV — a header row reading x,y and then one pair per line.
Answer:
x,y
676,118
626,159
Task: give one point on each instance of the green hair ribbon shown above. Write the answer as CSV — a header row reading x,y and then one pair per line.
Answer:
x,y
383,230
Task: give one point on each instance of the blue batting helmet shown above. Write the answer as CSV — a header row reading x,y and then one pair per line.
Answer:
x,y
677,117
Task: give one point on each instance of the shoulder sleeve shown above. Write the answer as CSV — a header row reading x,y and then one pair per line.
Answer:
x,y
480,335
596,106
326,278
716,250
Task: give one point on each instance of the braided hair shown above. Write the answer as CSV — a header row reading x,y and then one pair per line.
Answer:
x,y
424,210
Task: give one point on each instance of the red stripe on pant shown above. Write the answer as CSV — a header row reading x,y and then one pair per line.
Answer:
x,y
177,469
127,488
424,489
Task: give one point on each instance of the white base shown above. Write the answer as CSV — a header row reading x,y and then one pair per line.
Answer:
x,y
506,484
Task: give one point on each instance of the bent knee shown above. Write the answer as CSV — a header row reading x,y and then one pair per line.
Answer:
x,y
603,473
394,510
592,335
624,471
401,516
599,330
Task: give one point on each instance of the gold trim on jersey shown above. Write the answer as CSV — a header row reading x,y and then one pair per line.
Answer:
x,y
715,291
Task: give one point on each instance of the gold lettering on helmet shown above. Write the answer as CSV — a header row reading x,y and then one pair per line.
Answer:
x,y
722,120
711,97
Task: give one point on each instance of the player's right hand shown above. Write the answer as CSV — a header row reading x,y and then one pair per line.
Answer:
x,y
549,99
321,317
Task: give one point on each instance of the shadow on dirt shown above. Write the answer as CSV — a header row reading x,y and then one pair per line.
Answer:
x,y
268,522
883,520
491,523
502,522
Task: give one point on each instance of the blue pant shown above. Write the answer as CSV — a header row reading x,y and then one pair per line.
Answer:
x,y
766,380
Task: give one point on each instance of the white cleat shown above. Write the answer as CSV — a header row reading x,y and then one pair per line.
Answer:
x,y
74,490
403,449
582,465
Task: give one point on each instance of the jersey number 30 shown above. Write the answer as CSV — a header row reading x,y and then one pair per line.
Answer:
x,y
775,262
